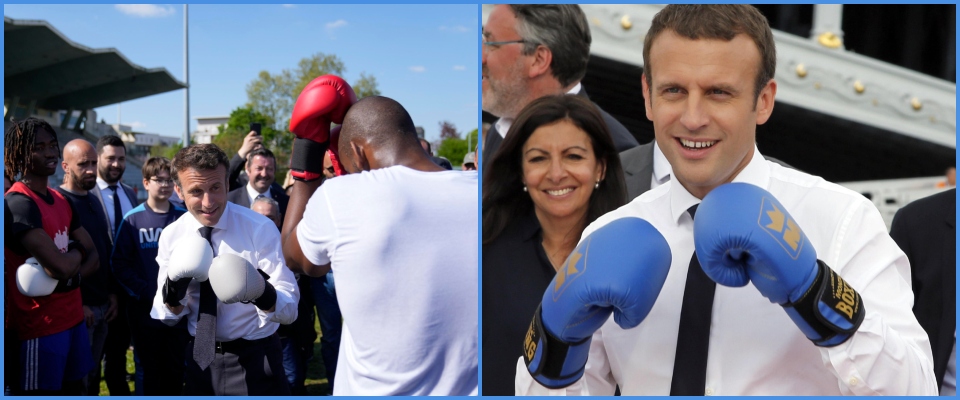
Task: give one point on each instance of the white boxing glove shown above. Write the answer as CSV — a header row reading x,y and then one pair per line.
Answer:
x,y
190,258
233,279
33,281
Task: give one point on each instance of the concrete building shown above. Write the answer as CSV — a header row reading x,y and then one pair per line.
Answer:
x,y
207,128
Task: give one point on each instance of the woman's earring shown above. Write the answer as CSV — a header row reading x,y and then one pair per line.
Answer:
x,y
597,185
524,188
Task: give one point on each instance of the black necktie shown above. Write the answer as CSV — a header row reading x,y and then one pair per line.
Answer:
x,y
205,342
117,211
693,340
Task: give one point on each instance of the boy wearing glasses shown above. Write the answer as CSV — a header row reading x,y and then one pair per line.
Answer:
x,y
159,348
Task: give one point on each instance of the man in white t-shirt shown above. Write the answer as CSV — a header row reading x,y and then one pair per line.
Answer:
x,y
392,230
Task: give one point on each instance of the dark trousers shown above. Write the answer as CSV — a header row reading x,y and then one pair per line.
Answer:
x,y
11,358
239,368
331,323
115,352
160,351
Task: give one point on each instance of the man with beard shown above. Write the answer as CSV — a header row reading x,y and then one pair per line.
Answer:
x,y
158,347
261,166
531,51
45,240
99,304
117,199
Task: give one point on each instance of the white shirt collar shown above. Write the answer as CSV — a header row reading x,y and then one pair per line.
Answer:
x,y
103,185
661,167
757,172
195,225
503,124
252,193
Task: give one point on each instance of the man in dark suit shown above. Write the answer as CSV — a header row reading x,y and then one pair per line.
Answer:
x,y
531,51
260,167
117,199
926,231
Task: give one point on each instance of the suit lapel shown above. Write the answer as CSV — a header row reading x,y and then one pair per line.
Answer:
x,y
646,167
948,261
490,147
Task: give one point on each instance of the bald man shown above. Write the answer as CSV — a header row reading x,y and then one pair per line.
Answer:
x,y
392,231
99,303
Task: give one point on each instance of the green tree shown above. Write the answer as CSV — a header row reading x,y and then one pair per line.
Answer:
x,y
453,149
366,86
230,136
159,150
274,95
472,140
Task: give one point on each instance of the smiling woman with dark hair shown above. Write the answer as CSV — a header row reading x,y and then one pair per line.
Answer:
x,y
556,172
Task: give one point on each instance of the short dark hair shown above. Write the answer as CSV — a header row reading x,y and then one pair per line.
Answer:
x,y
380,120
503,196
563,29
716,21
262,152
203,157
154,166
109,140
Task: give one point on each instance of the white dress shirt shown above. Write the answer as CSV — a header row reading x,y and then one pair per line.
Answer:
x,y
253,193
662,171
755,349
107,194
247,234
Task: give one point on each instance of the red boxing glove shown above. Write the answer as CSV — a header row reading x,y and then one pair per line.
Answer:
x,y
335,152
324,100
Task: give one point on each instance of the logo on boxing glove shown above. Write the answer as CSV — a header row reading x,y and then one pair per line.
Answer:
x,y
569,271
781,228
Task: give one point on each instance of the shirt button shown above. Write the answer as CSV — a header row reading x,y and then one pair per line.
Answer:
x,y
708,392
854,381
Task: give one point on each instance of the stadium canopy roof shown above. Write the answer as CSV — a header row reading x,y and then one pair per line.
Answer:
x,y
42,64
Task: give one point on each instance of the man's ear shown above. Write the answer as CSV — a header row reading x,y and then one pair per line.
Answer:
x,y
765,102
542,58
176,188
645,88
359,156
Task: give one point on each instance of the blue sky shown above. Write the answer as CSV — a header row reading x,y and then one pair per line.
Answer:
x,y
424,56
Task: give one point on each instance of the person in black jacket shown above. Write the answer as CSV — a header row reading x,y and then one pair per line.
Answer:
x,y
926,231
531,51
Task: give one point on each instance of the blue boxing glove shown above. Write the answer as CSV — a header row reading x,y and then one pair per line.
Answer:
x,y
620,269
743,234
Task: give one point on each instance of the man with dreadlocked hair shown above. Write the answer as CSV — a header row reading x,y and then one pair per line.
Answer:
x,y
46,252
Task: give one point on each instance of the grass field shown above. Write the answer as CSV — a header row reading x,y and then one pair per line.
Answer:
x,y
316,383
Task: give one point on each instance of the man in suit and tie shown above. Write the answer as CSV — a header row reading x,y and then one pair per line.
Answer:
x,y
117,199
926,231
531,51
260,167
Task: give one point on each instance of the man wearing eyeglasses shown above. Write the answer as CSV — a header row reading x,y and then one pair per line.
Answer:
x,y
99,303
531,51
160,348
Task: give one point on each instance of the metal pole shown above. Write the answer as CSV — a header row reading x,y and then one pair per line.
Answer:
x,y
186,78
